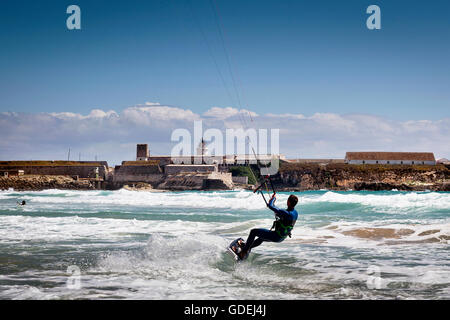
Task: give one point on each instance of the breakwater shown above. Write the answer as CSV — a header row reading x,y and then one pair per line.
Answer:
x,y
300,177
41,175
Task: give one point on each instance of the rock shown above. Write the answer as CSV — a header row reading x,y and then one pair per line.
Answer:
x,y
139,186
308,176
426,233
36,182
378,233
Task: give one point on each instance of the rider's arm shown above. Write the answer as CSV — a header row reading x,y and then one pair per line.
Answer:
x,y
272,207
278,212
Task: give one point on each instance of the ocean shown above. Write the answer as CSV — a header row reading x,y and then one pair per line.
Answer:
x,y
125,244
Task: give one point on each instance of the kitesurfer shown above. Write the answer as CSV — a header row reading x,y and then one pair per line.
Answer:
x,y
282,227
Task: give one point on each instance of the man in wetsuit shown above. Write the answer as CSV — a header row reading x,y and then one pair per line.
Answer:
x,y
285,221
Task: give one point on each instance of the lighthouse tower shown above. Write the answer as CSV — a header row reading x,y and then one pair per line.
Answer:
x,y
202,150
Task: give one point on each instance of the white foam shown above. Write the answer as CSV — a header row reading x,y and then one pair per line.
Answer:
x,y
238,200
226,200
25,228
333,234
403,200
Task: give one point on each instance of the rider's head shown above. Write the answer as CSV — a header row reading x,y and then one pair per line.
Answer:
x,y
292,201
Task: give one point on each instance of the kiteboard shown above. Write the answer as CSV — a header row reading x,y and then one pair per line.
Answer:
x,y
236,247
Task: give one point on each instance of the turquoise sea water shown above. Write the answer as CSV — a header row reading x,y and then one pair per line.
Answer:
x,y
141,245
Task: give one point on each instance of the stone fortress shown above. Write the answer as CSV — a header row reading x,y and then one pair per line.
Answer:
x,y
197,172
164,172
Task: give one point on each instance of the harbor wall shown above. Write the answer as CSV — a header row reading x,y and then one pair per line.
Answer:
x,y
124,174
60,168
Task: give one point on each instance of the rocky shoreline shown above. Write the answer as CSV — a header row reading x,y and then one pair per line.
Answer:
x,y
291,177
43,182
340,177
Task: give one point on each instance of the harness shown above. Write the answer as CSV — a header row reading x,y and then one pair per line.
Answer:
x,y
281,229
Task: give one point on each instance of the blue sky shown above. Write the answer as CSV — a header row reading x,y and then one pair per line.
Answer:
x,y
287,56
315,60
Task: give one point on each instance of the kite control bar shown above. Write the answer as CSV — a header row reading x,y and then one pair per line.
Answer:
x,y
259,188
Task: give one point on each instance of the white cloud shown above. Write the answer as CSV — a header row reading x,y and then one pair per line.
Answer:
x,y
148,115
285,115
94,114
224,113
49,135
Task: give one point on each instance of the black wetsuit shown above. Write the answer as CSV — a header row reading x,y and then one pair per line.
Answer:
x,y
286,221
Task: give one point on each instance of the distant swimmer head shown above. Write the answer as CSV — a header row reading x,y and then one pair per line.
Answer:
x,y
292,201
23,202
